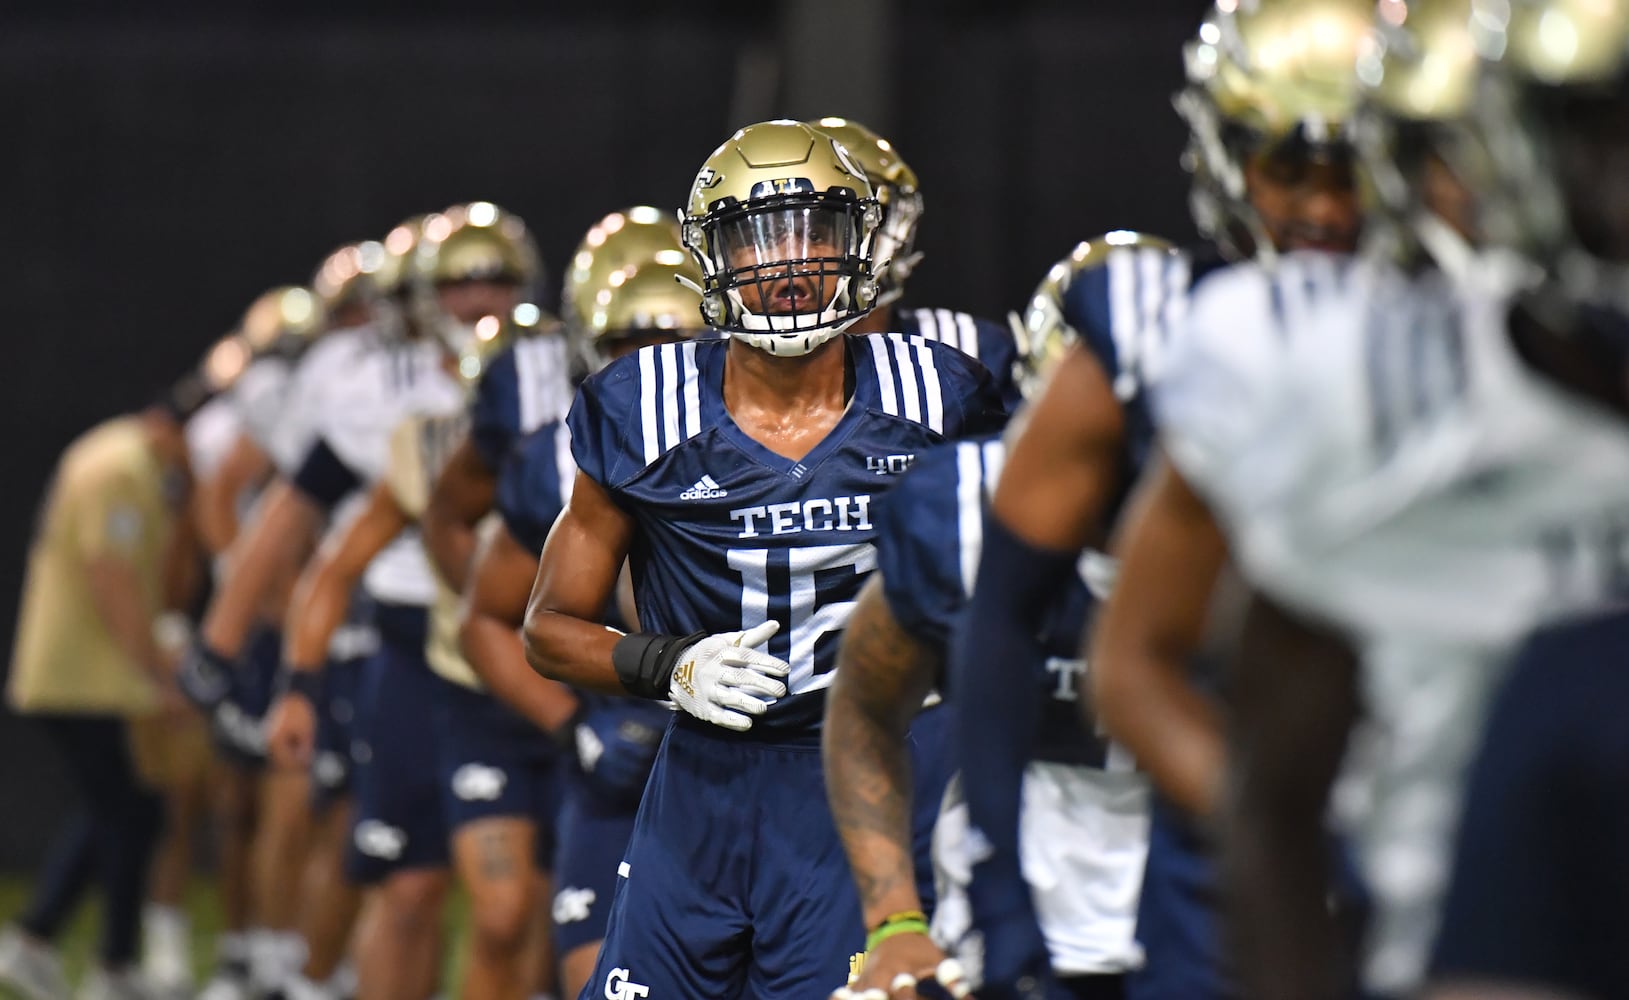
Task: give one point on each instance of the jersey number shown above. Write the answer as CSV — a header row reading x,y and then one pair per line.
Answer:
x,y
812,589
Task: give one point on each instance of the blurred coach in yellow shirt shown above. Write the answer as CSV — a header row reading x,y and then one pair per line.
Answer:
x,y
86,665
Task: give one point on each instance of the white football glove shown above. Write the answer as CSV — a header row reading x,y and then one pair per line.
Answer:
x,y
724,679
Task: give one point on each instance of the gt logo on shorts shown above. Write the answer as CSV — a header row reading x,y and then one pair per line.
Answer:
x,y
478,783
617,987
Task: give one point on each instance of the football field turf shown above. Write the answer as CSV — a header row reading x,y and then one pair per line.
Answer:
x,y
78,941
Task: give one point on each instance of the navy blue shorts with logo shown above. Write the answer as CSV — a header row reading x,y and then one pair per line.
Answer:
x,y
492,762
1541,870
398,822
592,837
735,883
331,766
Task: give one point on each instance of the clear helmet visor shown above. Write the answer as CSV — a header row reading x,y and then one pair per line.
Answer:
x,y
791,263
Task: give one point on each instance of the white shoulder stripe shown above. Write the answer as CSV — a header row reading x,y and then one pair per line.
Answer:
x,y
647,405
907,382
950,332
564,466
932,390
692,391
926,325
670,396
969,511
885,375
967,333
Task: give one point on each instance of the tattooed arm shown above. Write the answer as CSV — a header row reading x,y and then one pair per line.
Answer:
x,y
883,675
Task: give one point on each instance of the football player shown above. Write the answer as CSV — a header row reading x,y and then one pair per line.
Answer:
x,y
86,665
740,474
613,740
1399,469
899,195
277,328
463,275
893,653
1271,86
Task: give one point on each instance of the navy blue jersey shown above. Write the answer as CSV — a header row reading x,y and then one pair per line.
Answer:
x,y
1125,312
988,343
535,483
525,385
730,534
930,530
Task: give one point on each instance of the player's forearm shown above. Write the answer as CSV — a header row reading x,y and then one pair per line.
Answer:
x,y
450,542
493,649
287,521
321,599
1147,702
882,676
117,594
571,650
868,783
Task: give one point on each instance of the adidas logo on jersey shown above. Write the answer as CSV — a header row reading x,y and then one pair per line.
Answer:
x,y
705,489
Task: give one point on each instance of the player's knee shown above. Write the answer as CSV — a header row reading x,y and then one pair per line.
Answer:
x,y
413,901
501,916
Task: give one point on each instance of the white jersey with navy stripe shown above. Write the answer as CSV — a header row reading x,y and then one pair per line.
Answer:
x,y
1381,459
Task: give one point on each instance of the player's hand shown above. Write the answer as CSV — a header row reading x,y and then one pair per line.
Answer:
x,y
895,967
291,730
615,750
204,676
724,679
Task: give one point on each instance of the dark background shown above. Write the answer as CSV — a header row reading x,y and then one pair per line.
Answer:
x,y
158,171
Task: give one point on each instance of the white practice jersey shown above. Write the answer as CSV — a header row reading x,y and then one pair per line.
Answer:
x,y
1382,460
260,397
211,433
359,396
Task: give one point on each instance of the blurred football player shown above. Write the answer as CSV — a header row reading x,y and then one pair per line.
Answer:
x,y
250,806
899,196
1398,468
739,474
462,275
1271,88
612,739
87,665
893,654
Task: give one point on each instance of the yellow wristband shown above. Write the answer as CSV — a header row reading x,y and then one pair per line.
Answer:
x,y
889,928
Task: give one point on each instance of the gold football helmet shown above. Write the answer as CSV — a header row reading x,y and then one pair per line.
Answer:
x,y
282,321
1041,334
224,362
1262,73
898,194
477,242
630,236
345,277
782,222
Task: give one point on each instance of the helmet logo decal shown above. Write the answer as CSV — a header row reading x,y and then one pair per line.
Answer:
x,y
782,185
846,159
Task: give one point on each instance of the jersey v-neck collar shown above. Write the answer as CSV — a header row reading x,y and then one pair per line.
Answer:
x,y
716,415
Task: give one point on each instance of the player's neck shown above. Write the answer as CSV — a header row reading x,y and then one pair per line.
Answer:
x,y
763,381
879,320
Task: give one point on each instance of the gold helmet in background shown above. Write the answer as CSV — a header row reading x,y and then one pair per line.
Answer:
x,y
630,236
648,297
475,242
782,210
224,362
400,245
898,193
1042,335
345,278
1263,73
282,321
491,334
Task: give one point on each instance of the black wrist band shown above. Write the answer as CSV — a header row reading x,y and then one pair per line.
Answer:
x,y
644,663
307,683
